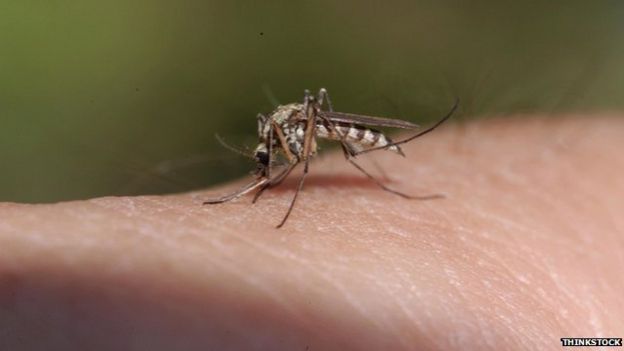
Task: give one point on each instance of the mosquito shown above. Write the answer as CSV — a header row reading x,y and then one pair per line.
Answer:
x,y
291,130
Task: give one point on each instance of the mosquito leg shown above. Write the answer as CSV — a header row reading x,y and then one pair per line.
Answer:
x,y
292,203
348,152
323,95
381,185
346,149
308,143
270,163
383,173
242,191
277,180
262,119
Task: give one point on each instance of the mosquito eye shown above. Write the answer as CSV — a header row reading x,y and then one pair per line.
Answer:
x,y
262,157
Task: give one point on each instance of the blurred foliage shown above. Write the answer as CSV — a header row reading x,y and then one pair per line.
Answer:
x,y
124,97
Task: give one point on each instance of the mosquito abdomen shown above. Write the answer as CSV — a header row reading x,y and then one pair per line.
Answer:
x,y
355,135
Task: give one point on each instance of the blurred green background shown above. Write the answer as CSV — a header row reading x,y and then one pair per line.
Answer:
x,y
110,97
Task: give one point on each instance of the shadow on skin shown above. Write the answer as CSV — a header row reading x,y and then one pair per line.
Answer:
x,y
46,310
351,182
343,181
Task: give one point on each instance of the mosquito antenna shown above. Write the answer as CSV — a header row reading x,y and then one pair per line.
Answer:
x,y
438,123
232,148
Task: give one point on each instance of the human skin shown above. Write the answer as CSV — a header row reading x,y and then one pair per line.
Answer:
x,y
525,248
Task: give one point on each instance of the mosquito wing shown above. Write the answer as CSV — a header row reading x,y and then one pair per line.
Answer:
x,y
341,117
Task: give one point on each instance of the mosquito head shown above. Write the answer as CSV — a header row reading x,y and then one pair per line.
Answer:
x,y
261,155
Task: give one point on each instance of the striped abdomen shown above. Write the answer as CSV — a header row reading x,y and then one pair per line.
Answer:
x,y
358,137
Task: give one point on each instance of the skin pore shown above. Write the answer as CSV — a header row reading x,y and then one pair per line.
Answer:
x,y
525,248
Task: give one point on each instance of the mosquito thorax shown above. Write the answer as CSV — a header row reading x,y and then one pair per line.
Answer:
x,y
280,116
283,112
